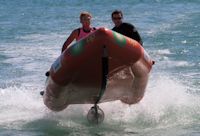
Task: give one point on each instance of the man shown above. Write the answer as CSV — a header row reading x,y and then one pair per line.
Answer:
x,y
130,31
126,29
79,33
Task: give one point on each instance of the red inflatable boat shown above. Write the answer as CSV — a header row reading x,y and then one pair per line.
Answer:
x,y
104,66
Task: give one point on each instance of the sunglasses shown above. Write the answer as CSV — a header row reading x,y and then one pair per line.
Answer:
x,y
117,18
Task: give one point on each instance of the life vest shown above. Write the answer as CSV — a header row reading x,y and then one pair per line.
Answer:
x,y
82,33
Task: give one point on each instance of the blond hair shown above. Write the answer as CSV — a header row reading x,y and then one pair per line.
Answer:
x,y
85,13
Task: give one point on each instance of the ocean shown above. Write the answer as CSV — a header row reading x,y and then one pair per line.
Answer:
x,y
32,33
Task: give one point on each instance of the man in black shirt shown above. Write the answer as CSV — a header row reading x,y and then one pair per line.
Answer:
x,y
126,29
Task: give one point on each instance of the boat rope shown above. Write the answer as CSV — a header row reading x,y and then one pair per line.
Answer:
x,y
104,74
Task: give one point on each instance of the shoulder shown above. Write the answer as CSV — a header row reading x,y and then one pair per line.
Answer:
x,y
128,24
75,32
131,27
114,28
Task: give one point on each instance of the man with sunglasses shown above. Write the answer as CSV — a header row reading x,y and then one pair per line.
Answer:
x,y
126,29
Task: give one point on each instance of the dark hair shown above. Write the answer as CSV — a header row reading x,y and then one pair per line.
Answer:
x,y
117,12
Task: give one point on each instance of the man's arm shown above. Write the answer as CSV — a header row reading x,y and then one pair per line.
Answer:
x,y
136,36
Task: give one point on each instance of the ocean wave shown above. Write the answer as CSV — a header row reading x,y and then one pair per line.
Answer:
x,y
164,52
41,37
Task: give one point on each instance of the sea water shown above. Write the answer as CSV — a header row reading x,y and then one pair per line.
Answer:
x,y
32,33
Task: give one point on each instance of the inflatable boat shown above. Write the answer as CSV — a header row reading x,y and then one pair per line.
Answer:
x,y
105,66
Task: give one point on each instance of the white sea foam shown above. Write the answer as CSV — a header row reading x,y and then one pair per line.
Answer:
x,y
20,104
164,52
165,62
184,41
166,103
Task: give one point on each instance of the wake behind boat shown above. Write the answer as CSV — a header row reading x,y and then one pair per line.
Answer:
x,y
104,66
